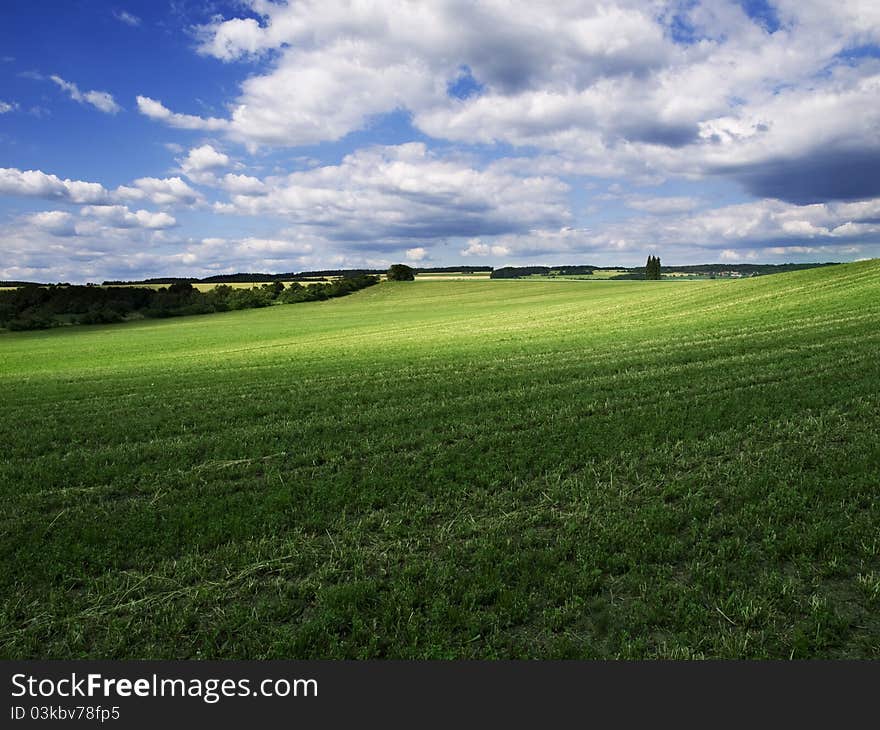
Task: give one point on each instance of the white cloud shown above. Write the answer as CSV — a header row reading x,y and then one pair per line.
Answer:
x,y
601,87
128,18
201,164
56,222
38,184
204,158
163,191
232,39
660,205
119,216
156,110
416,254
6,107
744,232
243,184
245,247
340,64
101,100
95,218
475,247
404,192
741,255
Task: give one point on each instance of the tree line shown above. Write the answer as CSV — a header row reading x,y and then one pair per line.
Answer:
x,y
247,278
516,272
41,307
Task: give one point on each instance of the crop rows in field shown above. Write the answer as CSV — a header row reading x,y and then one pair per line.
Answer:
x,y
454,469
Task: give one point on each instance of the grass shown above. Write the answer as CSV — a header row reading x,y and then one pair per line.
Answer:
x,y
453,469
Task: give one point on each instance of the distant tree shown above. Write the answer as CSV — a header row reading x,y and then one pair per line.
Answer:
x,y
515,272
401,272
183,288
274,289
652,268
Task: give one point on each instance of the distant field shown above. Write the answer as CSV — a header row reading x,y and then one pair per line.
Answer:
x,y
605,274
234,285
453,276
208,286
598,275
453,469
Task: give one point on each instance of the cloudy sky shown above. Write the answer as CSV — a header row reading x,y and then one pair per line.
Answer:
x,y
191,137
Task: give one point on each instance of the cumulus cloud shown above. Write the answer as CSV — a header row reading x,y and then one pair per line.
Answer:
x,y
56,222
405,192
91,244
202,163
161,191
117,243
243,184
38,184
119,216
475,247
760,230
94,218
770,99
101,100
416,254
338,65
6,107
204,158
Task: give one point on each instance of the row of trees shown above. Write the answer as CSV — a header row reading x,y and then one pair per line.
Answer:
x,y
42,307
517,272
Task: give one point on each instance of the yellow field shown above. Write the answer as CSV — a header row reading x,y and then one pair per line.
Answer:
x,y
235,285
454,276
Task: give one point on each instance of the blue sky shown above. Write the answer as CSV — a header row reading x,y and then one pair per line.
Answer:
x,y
192,137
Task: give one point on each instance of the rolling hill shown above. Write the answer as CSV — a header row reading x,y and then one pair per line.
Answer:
x,y
468,469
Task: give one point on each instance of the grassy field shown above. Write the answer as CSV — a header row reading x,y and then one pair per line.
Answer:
x,y
453,469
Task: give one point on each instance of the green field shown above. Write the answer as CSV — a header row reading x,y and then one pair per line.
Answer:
x,y
453,469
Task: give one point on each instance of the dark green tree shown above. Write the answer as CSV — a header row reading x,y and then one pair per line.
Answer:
x,y
181,288
273,290
401,272
652,268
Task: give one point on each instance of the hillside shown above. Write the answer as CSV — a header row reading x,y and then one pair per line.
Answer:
x,y
453,469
